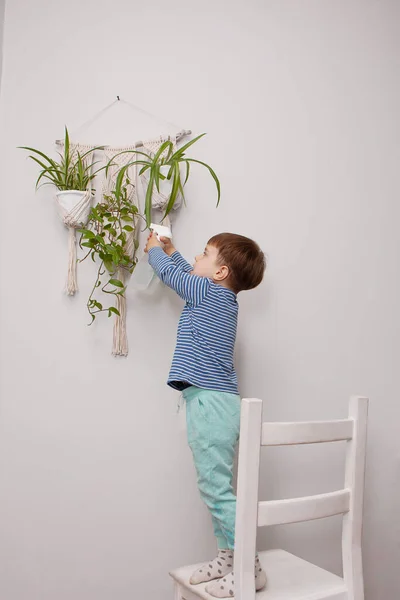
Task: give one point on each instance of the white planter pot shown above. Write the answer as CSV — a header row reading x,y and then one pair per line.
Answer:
x,y
75,205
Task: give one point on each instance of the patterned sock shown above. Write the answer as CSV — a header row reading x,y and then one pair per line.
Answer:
x,y
219,567
225,587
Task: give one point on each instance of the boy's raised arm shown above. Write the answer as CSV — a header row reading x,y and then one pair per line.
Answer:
x,y
176,256
172,270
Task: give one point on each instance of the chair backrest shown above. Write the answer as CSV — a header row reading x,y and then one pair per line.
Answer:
x,y
252,513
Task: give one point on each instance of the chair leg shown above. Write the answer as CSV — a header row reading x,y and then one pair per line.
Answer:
x,y
353,575
177,591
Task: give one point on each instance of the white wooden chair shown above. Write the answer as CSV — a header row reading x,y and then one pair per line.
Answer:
x,y
290,577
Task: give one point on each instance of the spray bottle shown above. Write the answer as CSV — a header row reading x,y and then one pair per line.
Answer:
x,y
144,274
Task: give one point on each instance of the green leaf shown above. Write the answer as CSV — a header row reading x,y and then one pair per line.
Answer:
x,y
122,173
179,153
92,150
175,190
49,172
144,169
110,248
212,173
164,146
111,163
51,162
128,228
116,282
66,147
148,200
181,191
53,180
114,310
187,171
156,176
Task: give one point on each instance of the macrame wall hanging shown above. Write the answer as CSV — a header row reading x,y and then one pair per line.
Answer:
x,y
75,208
140,183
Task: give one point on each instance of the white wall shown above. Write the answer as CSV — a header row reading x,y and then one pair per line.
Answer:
x,y
2,7
300,101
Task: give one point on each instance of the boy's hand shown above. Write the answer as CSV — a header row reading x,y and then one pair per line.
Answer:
x,y
169,248
165,243
152,242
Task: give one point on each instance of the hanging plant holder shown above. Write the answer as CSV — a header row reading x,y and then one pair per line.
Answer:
x,y
117,159
72,175
73,208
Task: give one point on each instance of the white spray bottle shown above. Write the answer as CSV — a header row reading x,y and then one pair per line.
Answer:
x,y
144,274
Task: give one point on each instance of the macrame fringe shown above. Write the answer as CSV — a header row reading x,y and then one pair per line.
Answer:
x,y
71,286
120,338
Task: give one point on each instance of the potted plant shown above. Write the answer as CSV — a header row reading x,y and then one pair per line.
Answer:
x,y
111,237
72,176
165,175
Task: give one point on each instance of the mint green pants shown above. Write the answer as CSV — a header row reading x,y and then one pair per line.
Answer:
x,y
213,423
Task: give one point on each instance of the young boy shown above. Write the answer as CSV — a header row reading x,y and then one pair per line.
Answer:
x,y
203,369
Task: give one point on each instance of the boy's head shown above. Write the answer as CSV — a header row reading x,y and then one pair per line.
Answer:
x,y
233,261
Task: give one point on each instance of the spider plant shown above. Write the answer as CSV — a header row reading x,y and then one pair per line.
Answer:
x,y
165,157
68,173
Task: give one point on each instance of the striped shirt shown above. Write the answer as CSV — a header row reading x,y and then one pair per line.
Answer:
x,y
207,327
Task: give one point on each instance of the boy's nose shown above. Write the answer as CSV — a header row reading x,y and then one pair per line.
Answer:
x,y
196,258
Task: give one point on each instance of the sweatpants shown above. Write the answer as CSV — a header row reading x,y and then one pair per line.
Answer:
x,y
213,423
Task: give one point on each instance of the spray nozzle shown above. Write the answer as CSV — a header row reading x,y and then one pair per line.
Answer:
x,y
161,231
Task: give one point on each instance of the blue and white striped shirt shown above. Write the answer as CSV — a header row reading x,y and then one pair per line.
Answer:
x,y
207,327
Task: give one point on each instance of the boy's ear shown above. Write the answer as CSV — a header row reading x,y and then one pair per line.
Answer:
x,y
222,273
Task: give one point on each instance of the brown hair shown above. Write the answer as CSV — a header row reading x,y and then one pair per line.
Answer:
x,y
243,257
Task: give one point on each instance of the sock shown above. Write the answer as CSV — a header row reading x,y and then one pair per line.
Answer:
x,y
219,567
225,587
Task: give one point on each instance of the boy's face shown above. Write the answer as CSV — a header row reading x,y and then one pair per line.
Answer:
x,y
207,265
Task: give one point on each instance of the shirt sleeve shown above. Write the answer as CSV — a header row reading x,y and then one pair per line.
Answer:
x,y
191,288
181,262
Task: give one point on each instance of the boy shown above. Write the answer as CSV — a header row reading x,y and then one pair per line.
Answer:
x,y
203,370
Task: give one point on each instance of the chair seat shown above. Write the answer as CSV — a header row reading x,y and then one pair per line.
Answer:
x,y
289,578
